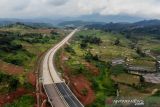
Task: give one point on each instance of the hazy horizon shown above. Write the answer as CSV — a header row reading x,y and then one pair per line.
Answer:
x,y
55,9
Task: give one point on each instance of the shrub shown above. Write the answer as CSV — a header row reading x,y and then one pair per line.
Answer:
x,y
70,49
84,92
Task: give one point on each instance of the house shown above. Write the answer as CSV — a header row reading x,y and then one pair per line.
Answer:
x,y
118,61
158,66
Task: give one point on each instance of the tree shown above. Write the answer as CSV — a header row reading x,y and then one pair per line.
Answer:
x,y
84,91
128,36
95,40
132,45
116,86
69,49
117,41
54,32
140,52
141,79
91,39
13,84
96,57
83,45
88,56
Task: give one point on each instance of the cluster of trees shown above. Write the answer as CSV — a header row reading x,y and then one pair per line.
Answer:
x,y
6,39
70,49
36,38
140,52
6,42
83,45
12,81
12,51
117,42
89,57
53,32
89,39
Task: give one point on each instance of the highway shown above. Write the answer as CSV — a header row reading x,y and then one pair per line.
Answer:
x,y
58,93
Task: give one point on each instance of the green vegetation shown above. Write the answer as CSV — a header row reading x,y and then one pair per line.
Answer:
x,y
103,85
24,101
89,50
118,69
117,42
89,57
21,45
90,39
84,92
99,48
8,83
157,94
69,49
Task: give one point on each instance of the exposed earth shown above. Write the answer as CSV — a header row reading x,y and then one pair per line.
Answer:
x,y
79,83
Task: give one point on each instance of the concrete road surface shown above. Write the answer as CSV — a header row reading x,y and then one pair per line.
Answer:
x,y
58,93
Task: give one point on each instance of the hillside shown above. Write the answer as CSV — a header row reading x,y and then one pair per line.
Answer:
x,y
147,27
97,61
20,47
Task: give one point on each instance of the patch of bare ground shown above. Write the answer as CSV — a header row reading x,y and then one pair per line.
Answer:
x,y
94,70
16,70
10,97
81,87
31,78
10,68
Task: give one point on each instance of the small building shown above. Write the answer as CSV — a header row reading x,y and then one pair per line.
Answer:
x,y
118,61
158,66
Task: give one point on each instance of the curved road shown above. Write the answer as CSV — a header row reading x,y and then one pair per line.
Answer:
x,y
58,93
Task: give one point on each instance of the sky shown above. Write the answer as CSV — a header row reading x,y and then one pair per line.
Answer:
x,y
74,8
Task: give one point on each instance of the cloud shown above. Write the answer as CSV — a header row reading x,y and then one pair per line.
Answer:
x,y
13,5
71,8
55,2
144,8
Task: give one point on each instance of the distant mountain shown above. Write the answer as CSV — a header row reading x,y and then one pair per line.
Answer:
x,y
103,18
109,18
77,23
96,18
18,25
141,27
147,23
29,22
36,21
144,23
85,18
